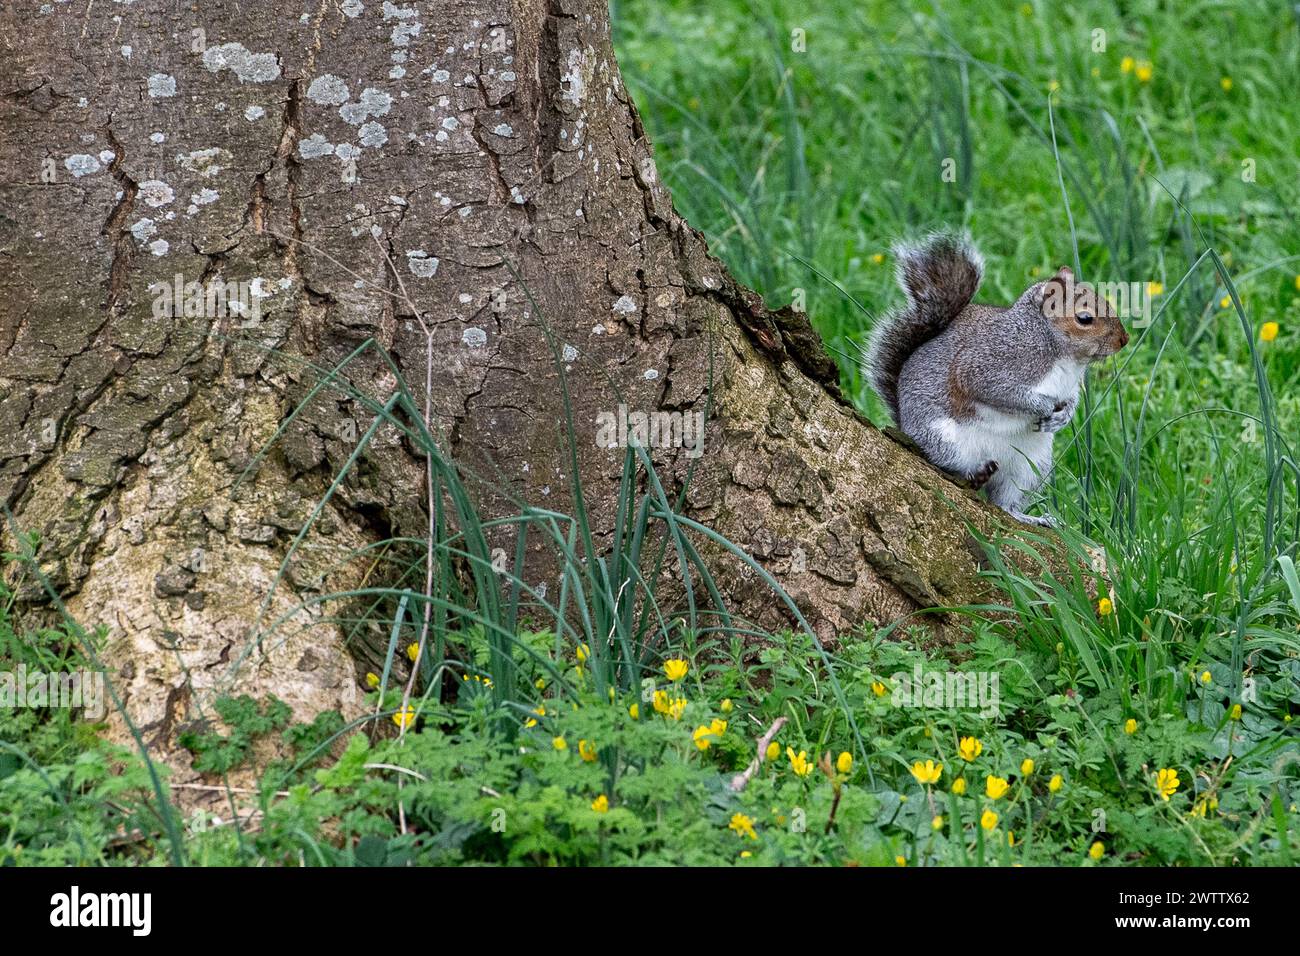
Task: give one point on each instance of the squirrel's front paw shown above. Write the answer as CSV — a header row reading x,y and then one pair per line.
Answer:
x,y
1059,418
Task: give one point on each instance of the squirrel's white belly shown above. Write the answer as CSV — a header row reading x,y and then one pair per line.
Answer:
x,y
1023,455
1063,381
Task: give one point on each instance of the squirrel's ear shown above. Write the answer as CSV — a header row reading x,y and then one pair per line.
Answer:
x,y
1050,296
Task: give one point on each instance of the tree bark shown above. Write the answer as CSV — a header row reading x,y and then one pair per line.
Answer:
x,y
466,142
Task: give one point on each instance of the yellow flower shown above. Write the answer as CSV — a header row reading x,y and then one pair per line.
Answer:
x,y
1226,83
1167,782
773,750
1026,10
584,651
404,717
877,688
1297,283
799,763
717,727
1206,677
970,748
1011,838
1268,331
1155,288
996,787
372,681
1144,71
1105,607
878,258
844,762
959,786
900,860
726,705
540,711
928,772
745,854
1054,785
936,823
587,751
701,737
540,683
1026,767
1235,713
677,708
1126,65
661,702
634,711
1053,86
559,743
1096,850
1130,726
743,826
601,804
676,668
989,820
412,650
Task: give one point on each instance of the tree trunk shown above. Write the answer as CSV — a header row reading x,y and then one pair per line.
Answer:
x,y
148,146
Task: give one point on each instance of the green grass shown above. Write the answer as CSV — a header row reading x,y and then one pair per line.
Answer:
x,y
1179,474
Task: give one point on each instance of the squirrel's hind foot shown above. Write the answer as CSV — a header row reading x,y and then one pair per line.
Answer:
x,y
1042,521
981,475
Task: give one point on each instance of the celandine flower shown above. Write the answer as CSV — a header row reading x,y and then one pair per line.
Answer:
x,y
844,762
970,748
1167,782
675,668
743,826
601,804
989,820
799,763
995,787
928,772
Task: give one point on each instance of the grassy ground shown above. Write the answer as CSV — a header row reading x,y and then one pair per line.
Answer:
x,y
1154,729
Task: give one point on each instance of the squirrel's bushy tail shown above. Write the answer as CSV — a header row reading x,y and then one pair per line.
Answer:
x,y
940,276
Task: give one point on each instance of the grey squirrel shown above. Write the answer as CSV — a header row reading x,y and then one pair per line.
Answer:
x,y
982,389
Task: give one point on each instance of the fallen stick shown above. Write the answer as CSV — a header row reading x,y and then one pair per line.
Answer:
x,y
741,780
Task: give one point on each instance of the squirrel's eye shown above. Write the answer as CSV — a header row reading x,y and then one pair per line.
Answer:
x,y
1083,318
